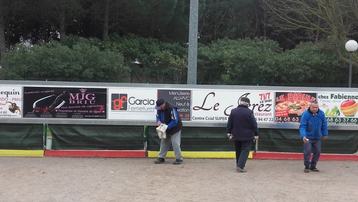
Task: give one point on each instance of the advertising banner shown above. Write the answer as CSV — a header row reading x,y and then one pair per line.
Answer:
x,y
10,101
291,105
339,108
79,103
180,99
216,105
132,104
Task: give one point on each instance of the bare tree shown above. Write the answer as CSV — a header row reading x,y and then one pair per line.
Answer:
x,y
332,20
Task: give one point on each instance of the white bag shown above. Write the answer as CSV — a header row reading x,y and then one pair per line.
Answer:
x,y
161,131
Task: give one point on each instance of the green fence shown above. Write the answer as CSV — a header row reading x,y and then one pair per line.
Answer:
x,y
120,137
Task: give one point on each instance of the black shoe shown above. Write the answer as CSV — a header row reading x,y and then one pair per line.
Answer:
x,y
307,169
313,168
177,161
159,161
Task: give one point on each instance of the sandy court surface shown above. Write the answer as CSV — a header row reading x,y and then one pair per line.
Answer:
x,y
56,179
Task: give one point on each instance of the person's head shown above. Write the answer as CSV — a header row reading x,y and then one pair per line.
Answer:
x,y
245,101
314,107
160,104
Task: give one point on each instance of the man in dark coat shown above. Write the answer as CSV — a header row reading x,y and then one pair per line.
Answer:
x,y
240,127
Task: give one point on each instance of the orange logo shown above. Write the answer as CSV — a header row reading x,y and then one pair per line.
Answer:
x,y
118,103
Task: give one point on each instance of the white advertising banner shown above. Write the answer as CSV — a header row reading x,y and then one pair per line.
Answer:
x,y
216,105
339,108
206,105
132,104
10,101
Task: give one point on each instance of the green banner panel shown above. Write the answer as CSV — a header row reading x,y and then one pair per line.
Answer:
x,y
96,137
196,139
21,136
271,140
341,142
280,140
288,140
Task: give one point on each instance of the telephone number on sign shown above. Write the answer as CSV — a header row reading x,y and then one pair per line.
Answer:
x,y
287,119
264,119
342,120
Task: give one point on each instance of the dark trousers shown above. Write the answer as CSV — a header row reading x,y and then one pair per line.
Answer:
x,y
242,149
316,146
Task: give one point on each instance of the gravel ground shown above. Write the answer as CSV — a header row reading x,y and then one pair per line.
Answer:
x,y
56,179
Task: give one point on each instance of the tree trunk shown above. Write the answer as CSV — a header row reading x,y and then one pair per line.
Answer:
x,y
62,28
264,24
106,19
2,33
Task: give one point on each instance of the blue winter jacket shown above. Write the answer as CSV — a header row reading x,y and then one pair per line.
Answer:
x,y
313,126
170,117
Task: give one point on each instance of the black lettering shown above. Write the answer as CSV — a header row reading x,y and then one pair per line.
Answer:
x,y
260,107
268,108
202,106
225,111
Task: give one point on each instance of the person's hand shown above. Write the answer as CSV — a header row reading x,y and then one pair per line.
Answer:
x,y
158,123
305,140
256,137
324,137
229,136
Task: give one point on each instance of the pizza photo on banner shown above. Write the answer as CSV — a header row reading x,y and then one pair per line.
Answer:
x,y
79,103
291,105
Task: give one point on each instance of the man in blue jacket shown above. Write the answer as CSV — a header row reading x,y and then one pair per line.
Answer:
x,y
241,127
313,129
168,114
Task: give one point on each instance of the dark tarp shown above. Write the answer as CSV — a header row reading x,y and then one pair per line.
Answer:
x,y
113,137
289,140
21,136
196,139
271,140
96,137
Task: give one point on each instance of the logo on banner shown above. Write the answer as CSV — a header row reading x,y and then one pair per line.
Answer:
x,y
119,101
265,97
80,98
7,93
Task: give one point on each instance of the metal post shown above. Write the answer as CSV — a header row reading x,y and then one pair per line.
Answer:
x,y
350,70
193,42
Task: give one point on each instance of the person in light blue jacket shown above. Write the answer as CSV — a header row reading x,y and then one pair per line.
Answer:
x,y
313,129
